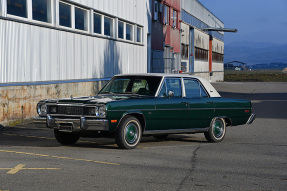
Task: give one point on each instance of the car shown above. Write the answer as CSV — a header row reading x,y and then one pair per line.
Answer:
x,y
130,106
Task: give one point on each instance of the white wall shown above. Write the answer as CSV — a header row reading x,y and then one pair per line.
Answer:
x,y
202,13
201,40
35,53
217,46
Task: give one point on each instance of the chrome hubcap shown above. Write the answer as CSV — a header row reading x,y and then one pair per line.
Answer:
x,y
218,128
131,133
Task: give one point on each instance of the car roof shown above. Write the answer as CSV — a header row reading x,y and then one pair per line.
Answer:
x,y
211,90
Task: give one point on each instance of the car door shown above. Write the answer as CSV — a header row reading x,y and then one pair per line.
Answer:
x,y
201,106
171,111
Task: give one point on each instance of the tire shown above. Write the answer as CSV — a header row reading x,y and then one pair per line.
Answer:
x,y
66,138
160,137
216,130
128,134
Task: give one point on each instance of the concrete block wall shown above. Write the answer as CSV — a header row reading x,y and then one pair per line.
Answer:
x,y
18,103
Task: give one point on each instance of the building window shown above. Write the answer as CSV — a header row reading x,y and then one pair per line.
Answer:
x,y
97,23
129,32
17,8
184,51
217,57
108,28
174,18
120,30
201,54
65,15
81,19
166,15
139,34
41,10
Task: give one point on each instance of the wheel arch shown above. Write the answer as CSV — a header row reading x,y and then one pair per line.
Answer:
x,y
227,120
137,114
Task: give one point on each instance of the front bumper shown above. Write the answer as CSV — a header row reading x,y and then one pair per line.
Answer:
x,y
251,118
73,124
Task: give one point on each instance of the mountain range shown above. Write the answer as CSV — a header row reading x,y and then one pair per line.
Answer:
x,y
255,52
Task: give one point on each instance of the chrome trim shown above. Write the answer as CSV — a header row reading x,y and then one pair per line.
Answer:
x,y
78,124
164,109
83,123
40,120
251,119
50,122
176,131
159,87
233,108
76,105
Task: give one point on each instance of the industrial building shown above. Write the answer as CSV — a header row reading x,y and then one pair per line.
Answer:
x,y
63,48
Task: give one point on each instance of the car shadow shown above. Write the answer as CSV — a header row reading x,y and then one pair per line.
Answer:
x,y
33,137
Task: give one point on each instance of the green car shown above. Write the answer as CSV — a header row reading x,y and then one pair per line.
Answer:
x,y
133,105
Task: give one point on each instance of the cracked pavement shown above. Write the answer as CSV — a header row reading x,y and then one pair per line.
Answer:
x,y
251,157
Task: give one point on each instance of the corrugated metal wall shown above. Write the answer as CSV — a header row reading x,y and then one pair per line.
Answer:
x,y
34,53
198,10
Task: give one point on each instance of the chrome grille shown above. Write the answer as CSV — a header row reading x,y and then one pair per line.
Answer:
x,y
68,110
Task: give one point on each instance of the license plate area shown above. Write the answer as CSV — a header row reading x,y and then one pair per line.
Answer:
x,y
65,127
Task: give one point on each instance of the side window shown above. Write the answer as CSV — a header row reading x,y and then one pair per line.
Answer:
x,y
193,89
162,92
203,93
174,85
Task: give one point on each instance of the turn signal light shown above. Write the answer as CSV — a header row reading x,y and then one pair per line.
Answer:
x,y
114,121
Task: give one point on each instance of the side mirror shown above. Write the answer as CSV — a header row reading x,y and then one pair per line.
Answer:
x,y
170,94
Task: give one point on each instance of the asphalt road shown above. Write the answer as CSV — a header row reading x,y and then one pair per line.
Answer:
x,y
251,157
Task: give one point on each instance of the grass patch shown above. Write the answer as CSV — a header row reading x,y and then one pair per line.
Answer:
x,y
255,76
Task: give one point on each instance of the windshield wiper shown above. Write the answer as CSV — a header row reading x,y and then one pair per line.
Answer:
x,y
111,93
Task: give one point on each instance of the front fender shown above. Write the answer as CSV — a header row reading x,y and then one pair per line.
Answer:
x,y
138,114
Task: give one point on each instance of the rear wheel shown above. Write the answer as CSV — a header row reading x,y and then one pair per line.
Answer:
x,y
128,134
216,130
66,138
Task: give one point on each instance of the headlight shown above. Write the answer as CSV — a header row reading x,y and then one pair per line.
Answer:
x,y
42,109
98,111
102,111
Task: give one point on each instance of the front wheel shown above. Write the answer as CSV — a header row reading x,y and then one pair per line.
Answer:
x,y
128,134
216,130
66,138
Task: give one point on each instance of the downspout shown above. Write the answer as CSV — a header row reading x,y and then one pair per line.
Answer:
x,y
210,55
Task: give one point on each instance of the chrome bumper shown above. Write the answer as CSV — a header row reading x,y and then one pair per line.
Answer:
x,y
76,124
251,119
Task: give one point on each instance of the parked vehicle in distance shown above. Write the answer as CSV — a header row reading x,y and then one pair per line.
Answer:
x,y
130,106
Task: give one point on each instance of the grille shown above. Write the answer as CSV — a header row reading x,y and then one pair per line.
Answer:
x,y
68,110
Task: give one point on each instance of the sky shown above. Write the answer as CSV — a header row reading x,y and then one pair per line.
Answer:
x,y
255,20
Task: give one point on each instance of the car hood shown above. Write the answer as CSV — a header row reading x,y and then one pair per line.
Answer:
x,y
92,99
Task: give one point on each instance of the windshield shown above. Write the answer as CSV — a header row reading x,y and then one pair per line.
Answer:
x,y
141,85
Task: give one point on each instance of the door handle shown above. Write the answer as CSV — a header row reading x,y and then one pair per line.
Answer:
x,y
184,102
210,102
